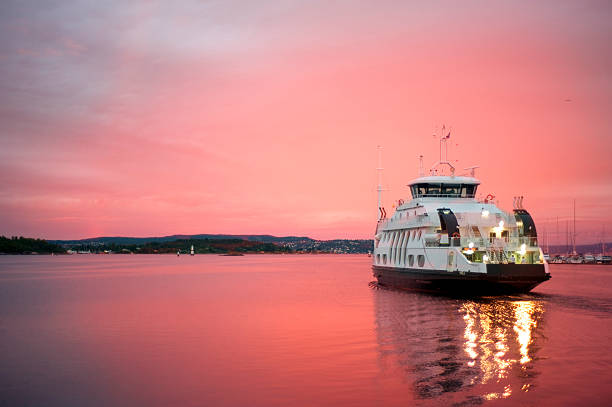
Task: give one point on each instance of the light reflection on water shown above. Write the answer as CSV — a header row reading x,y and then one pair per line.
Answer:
x,y
462,351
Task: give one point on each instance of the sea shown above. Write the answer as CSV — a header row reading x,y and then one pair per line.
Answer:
x,y
291,330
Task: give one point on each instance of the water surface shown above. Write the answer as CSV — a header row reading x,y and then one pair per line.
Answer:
x,y
299,330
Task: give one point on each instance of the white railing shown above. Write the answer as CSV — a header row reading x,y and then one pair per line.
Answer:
x,y
480,242
499,242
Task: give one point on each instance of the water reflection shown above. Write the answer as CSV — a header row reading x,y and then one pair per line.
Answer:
x,y
464,351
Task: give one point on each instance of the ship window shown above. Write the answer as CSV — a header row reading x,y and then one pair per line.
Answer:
x,y
378,258
410,260
421,260
433,189
419,236
444,190
450,190
384,259
468,191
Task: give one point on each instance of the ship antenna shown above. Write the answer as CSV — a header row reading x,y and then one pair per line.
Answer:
x,y
441,140
446,145
421,171
379,188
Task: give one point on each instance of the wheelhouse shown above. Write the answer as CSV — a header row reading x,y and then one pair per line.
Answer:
x,y
444,187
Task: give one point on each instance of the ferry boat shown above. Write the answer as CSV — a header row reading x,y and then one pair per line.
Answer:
x,y
444,239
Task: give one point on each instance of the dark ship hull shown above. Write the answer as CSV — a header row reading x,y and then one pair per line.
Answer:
x,y
499,279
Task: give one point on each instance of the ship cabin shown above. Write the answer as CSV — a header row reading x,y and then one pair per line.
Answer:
x,y
444,187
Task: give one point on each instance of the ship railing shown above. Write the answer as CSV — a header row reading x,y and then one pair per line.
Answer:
x,y
418,221
506,242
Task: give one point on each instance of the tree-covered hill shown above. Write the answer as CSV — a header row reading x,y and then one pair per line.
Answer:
x,y
24,245
200,246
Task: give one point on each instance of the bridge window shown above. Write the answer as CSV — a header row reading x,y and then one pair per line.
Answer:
x,y
443,190
451,190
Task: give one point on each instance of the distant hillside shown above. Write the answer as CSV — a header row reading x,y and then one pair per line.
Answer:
x,y
300,244
201,246
295,243
142,240
24,245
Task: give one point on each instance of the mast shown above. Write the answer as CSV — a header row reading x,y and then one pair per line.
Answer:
x,y
574,231
421,171
557,236
547,239
567,236
443,127
379,188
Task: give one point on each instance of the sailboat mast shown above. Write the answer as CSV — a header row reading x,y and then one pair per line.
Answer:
x,y
567,236
574,231
557,236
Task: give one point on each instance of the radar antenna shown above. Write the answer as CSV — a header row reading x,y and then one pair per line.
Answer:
x,y
443,141
472,170
421,171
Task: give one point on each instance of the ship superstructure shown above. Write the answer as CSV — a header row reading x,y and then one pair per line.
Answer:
x,y
446,239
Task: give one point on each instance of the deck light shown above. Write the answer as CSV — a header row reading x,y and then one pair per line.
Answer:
x,y
471,245
501,224
485,258
523,249
485,213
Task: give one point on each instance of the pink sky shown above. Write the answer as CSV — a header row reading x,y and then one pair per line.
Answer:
x,y
237,117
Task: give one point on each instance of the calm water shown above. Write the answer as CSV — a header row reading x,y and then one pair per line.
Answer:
x,y
271,330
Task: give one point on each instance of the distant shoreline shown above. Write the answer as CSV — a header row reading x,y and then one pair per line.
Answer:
x,y
201,244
